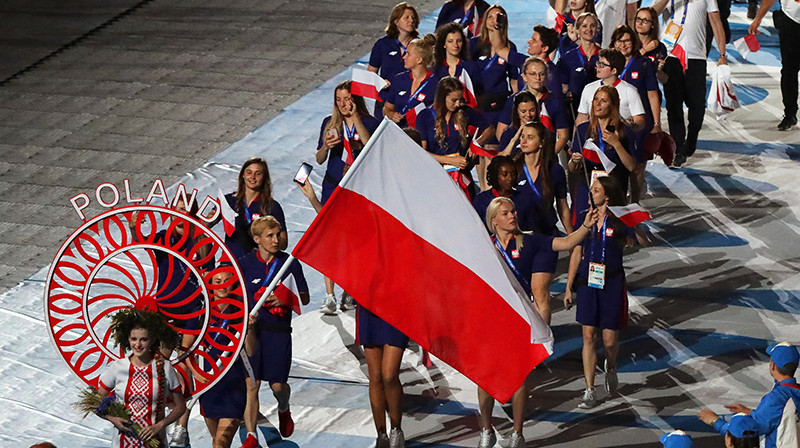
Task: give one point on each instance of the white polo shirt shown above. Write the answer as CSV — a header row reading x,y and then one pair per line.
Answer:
x,y
630,104
693,37
792,9
611,14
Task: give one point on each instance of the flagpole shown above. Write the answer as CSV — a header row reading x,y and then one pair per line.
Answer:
x,y
274,283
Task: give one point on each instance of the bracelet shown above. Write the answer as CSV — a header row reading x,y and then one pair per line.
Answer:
x,y
584,225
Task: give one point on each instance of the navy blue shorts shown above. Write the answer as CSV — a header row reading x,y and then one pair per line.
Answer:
x,y
605,308
372,331
228,397
273,358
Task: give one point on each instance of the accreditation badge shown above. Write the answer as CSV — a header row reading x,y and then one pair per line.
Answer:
x,y
597,275
671,33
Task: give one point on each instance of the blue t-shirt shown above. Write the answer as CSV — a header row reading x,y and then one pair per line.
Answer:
x,y
387,57
577,69
334,171
258,274
399,94
426,125
640,72
565,43
552,103
472,70
532,213
495,72
241,242
453,12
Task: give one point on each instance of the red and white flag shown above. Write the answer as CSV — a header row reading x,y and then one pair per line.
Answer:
x,y
479,150
288,293
594,154
468,310
227,213
411,115
559,25
631,215
746,45
347,154
679,53
544,117
367,84
469,89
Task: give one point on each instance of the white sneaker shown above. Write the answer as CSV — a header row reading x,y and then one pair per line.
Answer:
x,y
488,438
611,380
180,437
328,305
382,441
588,401
396,438
347,303
516,440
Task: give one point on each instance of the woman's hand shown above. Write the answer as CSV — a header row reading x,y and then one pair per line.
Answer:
x,y
650,46
272,300
397,117
591,217
152,431
120,423
656,128
307,189
457,161
332,139
610,137
568,302
572,32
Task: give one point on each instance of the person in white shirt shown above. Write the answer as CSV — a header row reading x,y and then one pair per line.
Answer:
x,y
609,64
613,13
684,33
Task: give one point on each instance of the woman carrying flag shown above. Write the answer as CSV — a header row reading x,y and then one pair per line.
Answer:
x,y
519,250
447,128
600,147
412,91
597,281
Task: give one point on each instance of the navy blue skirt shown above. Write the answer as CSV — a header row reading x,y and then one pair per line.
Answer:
x,y
228,397
372,331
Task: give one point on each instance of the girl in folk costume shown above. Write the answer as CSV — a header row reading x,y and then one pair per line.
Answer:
x,y
143,379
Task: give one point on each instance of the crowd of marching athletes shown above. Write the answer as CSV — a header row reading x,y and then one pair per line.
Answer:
x,y
558,135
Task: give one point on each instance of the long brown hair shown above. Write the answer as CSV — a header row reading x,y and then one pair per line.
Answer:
x,y
483,36
653,34
440,54
523,97
446,86
397,12
614,118
264,193
546,159
337,119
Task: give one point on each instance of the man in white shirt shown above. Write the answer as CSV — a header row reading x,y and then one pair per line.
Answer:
x,y
684,33
787,21
613,13
609,64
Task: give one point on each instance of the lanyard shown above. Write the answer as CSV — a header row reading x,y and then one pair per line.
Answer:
x,y
467,16
685,9
403,50
600,143
627,66
351,133
270,271
491,61
508,260
248,215
530,182
419,89
583,55
602,240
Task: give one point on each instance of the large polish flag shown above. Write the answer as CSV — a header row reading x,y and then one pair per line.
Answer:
x,y
414,252
367,84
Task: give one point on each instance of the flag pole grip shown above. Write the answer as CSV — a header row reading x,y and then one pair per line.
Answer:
x,y
272,285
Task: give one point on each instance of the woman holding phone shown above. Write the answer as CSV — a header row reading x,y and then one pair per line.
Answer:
x,y
341,137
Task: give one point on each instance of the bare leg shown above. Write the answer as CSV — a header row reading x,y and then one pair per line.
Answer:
x,y
611,344
519,402
251,409
486,404
328,286
225,431
392,388
540,286
377,395
282,392
589,354
212,424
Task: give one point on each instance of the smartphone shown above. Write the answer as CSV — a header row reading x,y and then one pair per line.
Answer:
x,y
302,174
611,128
333,133
501,22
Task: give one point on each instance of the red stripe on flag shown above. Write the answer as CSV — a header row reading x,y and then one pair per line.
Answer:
x,y
288,296
365,90
591,155
634,218
480,151
434,307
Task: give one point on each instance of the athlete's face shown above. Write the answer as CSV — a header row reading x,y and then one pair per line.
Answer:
x,y
527,112
588,29
180,208
140,342
491,20
406,22
253,176
268,240
601,104
344,102
603,69
624,45
412,58
221,278
534,76
453,100
577,5
643,22
453,43
506,218
535,45
598,194
529,141
506,176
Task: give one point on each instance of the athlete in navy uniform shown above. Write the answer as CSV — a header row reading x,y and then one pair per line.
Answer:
x,y
467,14
412,90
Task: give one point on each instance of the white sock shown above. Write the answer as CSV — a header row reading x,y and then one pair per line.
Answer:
x,y
254,434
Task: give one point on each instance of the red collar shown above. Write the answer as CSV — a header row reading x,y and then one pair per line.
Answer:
x,y
596,50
